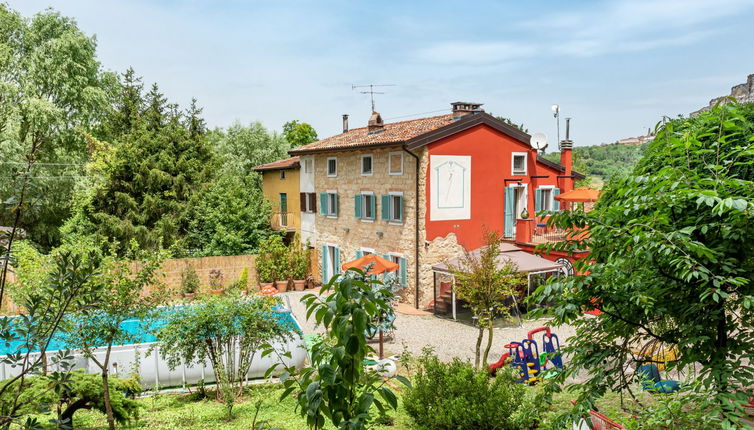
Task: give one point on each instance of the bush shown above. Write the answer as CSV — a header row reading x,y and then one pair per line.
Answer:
x,y
455,396
273,262
189,280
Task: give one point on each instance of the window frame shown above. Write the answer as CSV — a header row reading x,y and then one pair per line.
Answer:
x,y
282,175
311,202
327,167
371,164
525,171
390,163
551,200
391,210
330,200
371,194
365,251
308,165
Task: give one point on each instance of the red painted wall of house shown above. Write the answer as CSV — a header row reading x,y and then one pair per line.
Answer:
x,y
491,161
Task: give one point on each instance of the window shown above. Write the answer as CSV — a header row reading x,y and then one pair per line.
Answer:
x,y
402,267
308,202
519,163
395,161
308,165
366,165
328,203
332,167
365,206
544,199
282,174
330,262
392,207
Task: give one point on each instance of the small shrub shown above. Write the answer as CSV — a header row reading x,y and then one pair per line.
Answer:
x,y
216,279
189,280
273,260
455,396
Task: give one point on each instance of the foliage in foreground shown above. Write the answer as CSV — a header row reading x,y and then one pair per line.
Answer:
x,y
82,391
446,396
671,261
336,386
228,332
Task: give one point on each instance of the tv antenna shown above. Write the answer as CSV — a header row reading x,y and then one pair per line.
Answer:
x,y
371,90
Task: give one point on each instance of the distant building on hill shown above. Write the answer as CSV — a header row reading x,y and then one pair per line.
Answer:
x,y
744,93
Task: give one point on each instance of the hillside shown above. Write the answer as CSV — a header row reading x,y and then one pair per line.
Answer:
x,y
603,162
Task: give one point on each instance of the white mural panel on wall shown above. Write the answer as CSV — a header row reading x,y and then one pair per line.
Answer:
x,y
450,187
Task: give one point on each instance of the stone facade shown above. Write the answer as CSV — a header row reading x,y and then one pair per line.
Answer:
x,y
351,234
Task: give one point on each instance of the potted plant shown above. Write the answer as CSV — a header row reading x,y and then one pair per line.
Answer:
x,y
216,282
189,282
272,263
299,264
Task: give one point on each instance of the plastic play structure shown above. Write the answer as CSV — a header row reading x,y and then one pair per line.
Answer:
x,y
526,357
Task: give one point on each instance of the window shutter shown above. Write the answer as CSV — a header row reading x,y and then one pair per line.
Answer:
x,y
359,253
337,204
373,204
337,260
324,264
555,203
537,200
385,207
302,201
312,202
323,203
400,208
404,278
357,205
509,216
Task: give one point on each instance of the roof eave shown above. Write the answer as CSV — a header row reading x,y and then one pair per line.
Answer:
x,y
466,122
295,152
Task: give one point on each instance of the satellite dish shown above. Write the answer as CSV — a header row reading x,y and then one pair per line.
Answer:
x,y
539,141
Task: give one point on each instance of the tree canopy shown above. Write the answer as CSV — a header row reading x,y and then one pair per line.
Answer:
x,y
671,261
299,133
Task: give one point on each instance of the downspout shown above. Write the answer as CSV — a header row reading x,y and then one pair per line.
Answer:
x,y
416,226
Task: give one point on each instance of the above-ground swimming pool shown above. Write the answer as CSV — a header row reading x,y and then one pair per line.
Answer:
x,y
142,357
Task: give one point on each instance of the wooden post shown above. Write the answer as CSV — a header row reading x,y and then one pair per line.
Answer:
x,y
381,341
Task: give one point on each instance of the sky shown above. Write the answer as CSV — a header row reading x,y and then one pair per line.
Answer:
x,y
615,67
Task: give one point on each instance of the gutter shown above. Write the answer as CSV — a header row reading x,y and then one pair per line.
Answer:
x,y
416,226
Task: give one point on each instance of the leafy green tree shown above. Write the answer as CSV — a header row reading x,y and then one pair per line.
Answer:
x,y
486,286
671,261
125,288
299,133
227,331
51,88
240,147
336,386
229,217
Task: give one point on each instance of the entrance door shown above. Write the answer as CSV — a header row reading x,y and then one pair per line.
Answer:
x,y
515,202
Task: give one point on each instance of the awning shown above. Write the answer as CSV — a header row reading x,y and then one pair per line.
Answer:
x,y
580,194
527,263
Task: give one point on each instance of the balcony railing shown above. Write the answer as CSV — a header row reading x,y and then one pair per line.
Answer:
x,y
544,234
284,221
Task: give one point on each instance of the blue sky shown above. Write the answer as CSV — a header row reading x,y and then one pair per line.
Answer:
x,y
614,66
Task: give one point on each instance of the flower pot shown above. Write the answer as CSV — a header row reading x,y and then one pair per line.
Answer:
x,y
217,292
310,283
265,285
189,296
282,286
299,285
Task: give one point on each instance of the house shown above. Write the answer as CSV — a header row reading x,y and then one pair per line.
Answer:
x,y
280,185
420,191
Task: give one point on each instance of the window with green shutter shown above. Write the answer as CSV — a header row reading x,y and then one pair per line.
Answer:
x,y
385,208
357,205
537,200
323,203
403,272
555,203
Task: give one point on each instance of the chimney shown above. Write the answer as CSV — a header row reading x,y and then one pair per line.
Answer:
x,y
375,124
345,122
566,157
464,108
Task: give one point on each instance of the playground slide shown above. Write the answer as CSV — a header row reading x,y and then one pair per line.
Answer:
x,y
499,363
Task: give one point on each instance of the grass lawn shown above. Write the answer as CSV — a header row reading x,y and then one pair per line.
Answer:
x,y
184,412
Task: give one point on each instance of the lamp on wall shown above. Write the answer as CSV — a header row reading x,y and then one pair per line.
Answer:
x,y
380,234
346,229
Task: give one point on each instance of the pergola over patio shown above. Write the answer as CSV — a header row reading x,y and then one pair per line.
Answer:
x,y
527,263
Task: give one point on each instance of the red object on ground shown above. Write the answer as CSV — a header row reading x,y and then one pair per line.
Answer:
x,y
499,363
379,264
269,291
601,422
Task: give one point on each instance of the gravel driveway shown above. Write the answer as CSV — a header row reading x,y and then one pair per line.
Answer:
x,y
448,338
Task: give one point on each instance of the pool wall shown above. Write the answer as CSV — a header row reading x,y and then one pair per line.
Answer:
x,y
154,372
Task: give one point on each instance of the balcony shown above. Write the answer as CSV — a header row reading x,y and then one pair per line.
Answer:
x,y
285,221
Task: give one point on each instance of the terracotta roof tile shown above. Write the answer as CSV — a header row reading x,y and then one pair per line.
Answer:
x,y
288,163
395,132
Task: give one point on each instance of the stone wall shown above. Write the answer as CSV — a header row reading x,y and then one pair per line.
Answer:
x,y
744,93
394,238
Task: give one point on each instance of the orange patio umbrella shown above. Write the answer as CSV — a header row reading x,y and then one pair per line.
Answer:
x,y
379,264
580,194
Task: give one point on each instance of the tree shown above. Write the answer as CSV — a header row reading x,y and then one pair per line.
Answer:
x,y
229,217
228,331
299,133
240,148
51,88
671,261
126,288
486,285
510,122
336,385
146,176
